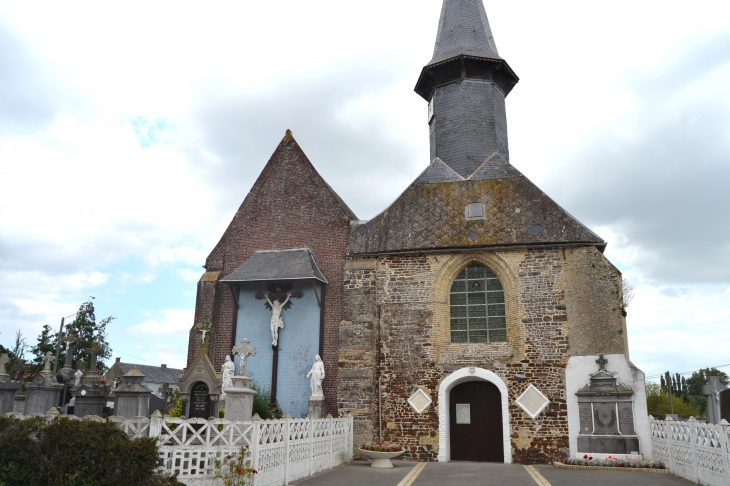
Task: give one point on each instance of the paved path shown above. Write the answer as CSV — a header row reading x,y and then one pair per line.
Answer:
x,y
407,473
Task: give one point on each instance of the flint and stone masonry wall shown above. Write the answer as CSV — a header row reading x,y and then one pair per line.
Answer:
x,y
396,328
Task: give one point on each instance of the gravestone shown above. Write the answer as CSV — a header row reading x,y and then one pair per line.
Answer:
x,y
199,401
7,388
131,397
712,390
606,413
19,403
91,392
43,392
200,384
725,405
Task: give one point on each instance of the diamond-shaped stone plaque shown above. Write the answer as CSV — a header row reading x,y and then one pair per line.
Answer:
x,y
532,402
419,401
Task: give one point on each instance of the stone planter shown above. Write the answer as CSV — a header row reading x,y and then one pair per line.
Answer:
x,y
381,459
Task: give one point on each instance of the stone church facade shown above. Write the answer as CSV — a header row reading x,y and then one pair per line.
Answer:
x,y
470,311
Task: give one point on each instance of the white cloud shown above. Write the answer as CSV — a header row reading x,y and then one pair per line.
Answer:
x,y
172,321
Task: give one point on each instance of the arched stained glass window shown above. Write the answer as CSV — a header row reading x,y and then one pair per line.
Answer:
x,y
477,307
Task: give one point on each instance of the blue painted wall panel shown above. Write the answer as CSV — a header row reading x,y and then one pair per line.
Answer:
x,y
298,343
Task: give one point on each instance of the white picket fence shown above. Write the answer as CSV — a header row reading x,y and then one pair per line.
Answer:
x,y
282,450
693,450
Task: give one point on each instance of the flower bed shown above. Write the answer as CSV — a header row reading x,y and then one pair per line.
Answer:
x,y
588,462
381,447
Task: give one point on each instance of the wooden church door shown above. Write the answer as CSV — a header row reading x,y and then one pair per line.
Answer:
x,y
475,413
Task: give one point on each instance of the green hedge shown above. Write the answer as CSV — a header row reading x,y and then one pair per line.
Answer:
x,y
68,452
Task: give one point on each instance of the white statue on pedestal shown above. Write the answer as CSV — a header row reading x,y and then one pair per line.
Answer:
x,y
316,377
276,321
228,369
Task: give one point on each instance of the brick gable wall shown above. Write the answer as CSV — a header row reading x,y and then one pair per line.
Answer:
x,y
289,206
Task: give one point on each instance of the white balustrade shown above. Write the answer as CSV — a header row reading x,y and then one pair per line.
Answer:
x,y
693,450
282,451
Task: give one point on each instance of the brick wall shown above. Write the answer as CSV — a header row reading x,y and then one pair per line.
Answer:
x,y
397,325
289,206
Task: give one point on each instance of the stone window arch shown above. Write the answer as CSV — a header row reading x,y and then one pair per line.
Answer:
x,y
477,306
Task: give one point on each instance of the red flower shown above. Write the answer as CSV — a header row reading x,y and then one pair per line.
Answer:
x,y
228,456
590,458
585,457
239,470
246,446
255,471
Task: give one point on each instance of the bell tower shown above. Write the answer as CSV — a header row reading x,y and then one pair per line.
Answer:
x,y
466,83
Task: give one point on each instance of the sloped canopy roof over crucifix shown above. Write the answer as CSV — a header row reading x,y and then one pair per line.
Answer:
x,y
277,265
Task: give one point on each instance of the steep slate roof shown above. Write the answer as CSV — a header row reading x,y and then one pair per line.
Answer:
x,y
464,30
430,214
274,265
154,374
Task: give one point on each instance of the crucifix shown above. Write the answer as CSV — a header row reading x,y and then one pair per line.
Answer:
x,y
243,351
71,340
4,360
203,328
278,299
93,351
50,358
601,363
712,390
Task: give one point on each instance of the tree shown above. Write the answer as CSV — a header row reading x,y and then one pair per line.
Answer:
x,y
46,342
20,347
86,329
657,402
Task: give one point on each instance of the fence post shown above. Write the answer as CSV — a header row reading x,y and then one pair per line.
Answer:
x,y
693,434
725,441
670,432
286,448
311,445
255,434
330,430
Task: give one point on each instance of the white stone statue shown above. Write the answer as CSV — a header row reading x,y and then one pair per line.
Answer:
x,y
316,377
243,351
228,369
276,320
77,377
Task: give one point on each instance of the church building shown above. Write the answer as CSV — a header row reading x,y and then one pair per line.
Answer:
x,y
473,319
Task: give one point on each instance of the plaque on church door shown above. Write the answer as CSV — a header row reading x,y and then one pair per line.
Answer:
x,y
199,401
463,413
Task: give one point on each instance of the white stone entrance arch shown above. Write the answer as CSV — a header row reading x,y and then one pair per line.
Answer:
x,y
461,376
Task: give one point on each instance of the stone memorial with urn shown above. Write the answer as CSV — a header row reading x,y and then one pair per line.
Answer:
x,y
238,395
44,391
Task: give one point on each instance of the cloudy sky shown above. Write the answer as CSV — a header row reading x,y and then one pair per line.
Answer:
x,y
131,132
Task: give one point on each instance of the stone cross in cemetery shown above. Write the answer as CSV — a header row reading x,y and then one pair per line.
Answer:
x,y
239,397
93,351
71,340
163,391
4,360
243,351
601,361
712,390
79,371
50,358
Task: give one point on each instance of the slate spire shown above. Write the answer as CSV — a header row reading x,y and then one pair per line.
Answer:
x,y
464,29
466,83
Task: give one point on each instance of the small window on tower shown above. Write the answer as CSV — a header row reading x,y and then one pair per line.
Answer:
x,y
475,211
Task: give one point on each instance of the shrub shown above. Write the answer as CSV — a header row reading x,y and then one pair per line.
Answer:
x,y
68,452
261,400
657,401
